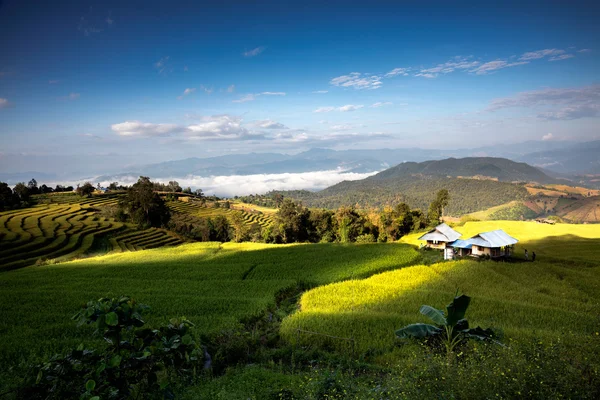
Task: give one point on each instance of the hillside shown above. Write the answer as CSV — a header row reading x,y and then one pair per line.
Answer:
x,y
474,184
577,158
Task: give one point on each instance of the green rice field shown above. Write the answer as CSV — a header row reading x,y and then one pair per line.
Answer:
x,y
197,210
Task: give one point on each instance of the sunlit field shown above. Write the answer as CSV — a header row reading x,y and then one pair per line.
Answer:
x,y
212,284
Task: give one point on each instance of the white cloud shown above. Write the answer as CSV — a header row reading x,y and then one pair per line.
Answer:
x,y
231,89
221,127
206,89
269,124
547,136
340,127
320,91
555,104
350,107
381,104
245,98
584,51
492,66
273,93
145,129
534,55
397,71
561,57
254,52
324,109
357,80
162,65
456,63
347,107
4,103
233,185
189,91
70,96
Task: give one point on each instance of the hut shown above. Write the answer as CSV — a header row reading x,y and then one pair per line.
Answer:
x,y
440,237
494,244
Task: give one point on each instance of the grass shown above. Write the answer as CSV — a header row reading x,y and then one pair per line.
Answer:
x,y
212,284
250,217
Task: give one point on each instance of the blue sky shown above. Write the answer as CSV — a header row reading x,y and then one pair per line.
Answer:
x,y
91,83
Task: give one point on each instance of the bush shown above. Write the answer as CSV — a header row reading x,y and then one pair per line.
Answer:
x,y
136,361
367,238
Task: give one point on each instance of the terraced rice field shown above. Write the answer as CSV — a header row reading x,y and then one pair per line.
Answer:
x,y
208,212
214,285
59,232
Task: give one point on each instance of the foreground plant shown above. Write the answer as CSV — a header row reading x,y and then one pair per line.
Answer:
x,y
451,328
137,363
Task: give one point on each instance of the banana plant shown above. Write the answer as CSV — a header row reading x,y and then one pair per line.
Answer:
x,y
451,327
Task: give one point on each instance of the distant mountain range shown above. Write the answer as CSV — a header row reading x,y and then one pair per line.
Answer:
x,y
474,183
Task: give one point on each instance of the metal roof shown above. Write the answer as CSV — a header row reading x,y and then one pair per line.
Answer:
x,y
497,238
463,244
442,233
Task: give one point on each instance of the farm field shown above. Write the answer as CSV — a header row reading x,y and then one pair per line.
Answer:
x,y
212,284
67,230
262,219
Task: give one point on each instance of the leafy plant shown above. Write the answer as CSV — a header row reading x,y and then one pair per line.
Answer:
x,y
451,328
138,362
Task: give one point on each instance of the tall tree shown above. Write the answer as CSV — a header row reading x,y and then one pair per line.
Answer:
x,y
144,206
7,198
22,191
436,208
292,221
85,190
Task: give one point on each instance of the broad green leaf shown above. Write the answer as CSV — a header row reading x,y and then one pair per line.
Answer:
x,y
90,385
417,331
457,309
115,361
112,319
186,339
435,315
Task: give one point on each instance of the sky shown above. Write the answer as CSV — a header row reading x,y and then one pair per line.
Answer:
x,y
88,85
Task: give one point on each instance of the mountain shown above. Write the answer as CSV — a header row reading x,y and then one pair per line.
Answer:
x,y
580,158
474,183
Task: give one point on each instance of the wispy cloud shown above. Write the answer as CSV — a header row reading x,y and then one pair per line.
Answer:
x,y
346,108
492,66
231,89
206,90
454,64
320,91
145,129
254,52
70,96
357,80
189,91
220,127
561,57
162,65
534,55
584,50
381,104
269,124
397,71
253,96
555,104
4,103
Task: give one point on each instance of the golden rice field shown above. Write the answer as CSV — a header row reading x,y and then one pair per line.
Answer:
x,y
557,296
53,233
195,209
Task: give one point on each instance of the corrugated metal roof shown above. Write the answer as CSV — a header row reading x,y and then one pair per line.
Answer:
x,y
434,236
497,238
442,233
462,244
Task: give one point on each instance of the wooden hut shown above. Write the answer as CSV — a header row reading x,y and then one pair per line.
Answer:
x,y
440,237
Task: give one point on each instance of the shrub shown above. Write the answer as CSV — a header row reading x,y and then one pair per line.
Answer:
x,y
136,361
367,238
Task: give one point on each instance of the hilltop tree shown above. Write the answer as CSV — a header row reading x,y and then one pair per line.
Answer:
x,y
22,192
7,197
33,187
144,206
292,223
436,208
173,186
85,190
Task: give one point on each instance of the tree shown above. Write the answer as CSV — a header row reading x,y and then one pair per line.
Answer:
x,y
292,222
45,189
240,228
7,198
33,187
436,208
349,224
85,190
113,186
278,197
199,193
173,186
22,192
187,190
220,229
144,206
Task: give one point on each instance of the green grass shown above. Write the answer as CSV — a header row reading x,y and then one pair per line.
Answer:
x,y
197,210
212,284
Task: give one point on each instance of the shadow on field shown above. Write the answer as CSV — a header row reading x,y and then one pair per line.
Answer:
x,y
571,248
